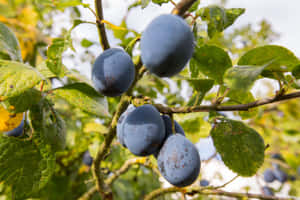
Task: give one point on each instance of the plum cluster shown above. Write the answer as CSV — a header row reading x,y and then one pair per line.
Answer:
x,y
145,132
276,173
167,44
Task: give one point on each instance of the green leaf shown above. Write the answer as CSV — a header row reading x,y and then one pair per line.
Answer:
x,y
44,70
201,85
219,18
22,166
160,2
145,3
23,102
86,43
9,44
211,60
194,7
49,126
296,71
16,78
241,147
283,59
84,97
242,77
232,14
54,53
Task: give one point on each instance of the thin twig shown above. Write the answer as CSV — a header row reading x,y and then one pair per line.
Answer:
x,y
239,107
200,190
101,26
182,7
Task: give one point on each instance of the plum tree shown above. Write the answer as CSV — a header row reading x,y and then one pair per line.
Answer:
x,y
16,132
113,72
167,44
120,133
179,161
143,130
269,176
169,131
204,182
87,158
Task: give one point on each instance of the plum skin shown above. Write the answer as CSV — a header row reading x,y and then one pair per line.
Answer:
x,y
269,176
17,131
120,132
167,44
143,130
169,131
179,161
113,72
87,159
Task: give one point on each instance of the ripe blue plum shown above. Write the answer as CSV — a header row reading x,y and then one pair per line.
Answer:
x,y
120,124
267,191
143,130
169,131
113,72
179,161
17,131
87,159
269,176
280,175
167,44
204,183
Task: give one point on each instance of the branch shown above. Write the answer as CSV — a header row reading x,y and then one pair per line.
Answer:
x,y
204,191
102,187
101,26
182,7
239,107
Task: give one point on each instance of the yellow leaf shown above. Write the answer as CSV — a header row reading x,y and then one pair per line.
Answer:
x,y
9,121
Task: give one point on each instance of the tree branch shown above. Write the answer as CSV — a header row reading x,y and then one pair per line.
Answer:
x,y
182,7
204,191
101,26
239,107
102,187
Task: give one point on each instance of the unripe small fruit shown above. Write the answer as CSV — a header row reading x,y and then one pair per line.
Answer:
x,y
113,72
179,161
143,130
204,183
167,44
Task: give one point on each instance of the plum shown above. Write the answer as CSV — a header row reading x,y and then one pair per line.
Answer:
x,y
280,175
120,123
113,72
179,161
267,191
167,44
17,131
87,159
269,176
169,131
143,130
204,183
